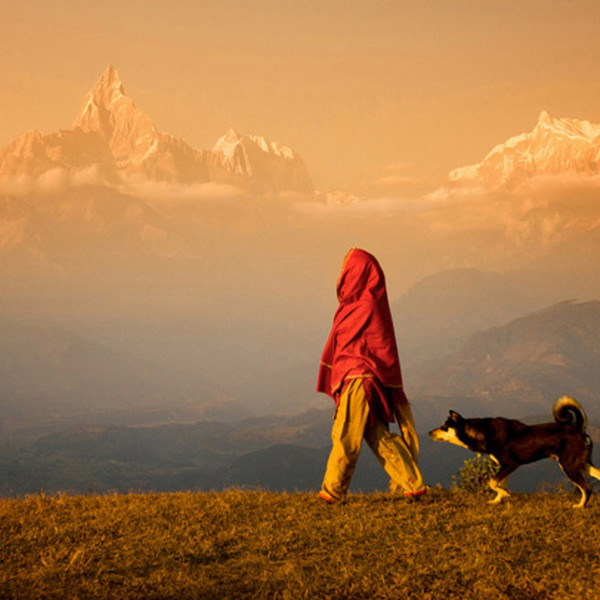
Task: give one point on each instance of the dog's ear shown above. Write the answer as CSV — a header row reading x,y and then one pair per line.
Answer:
x,y
455,416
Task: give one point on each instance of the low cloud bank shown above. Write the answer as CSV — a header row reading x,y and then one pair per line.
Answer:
x,y
543,211
53,181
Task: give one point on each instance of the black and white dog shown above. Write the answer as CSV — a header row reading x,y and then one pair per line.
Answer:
x,y
511,443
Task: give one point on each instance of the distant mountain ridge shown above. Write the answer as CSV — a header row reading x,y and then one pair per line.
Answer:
x,y
554,146
522,367
112,140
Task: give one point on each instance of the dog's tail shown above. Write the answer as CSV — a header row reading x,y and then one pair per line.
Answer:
x,y
569,412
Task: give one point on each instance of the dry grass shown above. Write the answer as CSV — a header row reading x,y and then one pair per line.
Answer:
x,y
241,544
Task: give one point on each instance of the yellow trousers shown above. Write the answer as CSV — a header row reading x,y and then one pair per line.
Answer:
x,y
351,425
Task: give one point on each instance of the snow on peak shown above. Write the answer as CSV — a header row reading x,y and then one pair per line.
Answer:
x,y
110,81
101,99
232,142
260,141
228,142
272,147
573,128
543,118
256,158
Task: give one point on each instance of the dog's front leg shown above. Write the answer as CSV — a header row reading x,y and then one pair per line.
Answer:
x,y
501,492
498,483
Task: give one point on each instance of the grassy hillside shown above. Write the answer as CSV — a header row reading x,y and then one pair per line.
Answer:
x,y
241,544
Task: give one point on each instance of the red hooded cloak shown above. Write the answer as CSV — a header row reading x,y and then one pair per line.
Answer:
x,y
362,342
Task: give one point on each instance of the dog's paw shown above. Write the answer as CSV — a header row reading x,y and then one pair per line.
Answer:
x,y
499,497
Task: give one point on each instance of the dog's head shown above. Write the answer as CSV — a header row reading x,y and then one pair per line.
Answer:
x,y
450,430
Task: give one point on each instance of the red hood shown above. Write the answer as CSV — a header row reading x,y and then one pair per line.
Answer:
x,y
362,339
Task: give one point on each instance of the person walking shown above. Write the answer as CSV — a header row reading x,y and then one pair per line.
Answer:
x,y
360,370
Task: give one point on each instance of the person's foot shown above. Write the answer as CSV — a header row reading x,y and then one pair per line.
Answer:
x,y
325,496
414,496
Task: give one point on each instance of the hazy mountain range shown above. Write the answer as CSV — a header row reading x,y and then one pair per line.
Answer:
x,y
146,283
511,370
518,367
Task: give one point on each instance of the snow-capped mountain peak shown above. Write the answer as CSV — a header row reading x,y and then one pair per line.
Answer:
x,y
110,85
228,144
544,118
256,158
130,133
554,146
234,154
568,127
100,101
118,139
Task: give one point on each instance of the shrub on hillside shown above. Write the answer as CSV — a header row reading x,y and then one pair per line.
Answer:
x,y
475,474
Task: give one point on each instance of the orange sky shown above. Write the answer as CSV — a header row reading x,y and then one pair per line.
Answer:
x,y
378,95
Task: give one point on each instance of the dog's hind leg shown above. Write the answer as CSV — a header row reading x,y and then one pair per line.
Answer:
x,y
576,476
586,492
